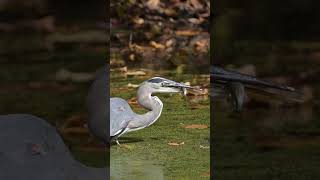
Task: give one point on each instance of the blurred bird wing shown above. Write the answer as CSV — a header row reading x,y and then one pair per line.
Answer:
x,y
254,88
222,76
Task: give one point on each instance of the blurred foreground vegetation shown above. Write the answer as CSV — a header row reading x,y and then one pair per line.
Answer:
x,y
277,41
50,51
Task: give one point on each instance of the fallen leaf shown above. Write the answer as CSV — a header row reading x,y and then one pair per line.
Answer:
x,y
200,92
157,45
135,73
170,42
138,20
133,101
197,106
123,69
187,33
117,63
175,143
204,147
133,85
196,20
202,45
153,4
132,57
170,12
196,126
196,4
206,174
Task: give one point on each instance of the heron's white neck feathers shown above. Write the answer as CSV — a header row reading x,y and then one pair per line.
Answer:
x,y
144,97
152,103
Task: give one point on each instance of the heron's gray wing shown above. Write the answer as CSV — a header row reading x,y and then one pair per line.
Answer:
x,y
120,114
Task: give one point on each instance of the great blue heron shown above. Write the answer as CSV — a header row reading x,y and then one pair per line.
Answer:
x,y
231,83
124,120
32,149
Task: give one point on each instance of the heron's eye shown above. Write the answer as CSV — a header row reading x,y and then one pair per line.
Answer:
x,y
164,84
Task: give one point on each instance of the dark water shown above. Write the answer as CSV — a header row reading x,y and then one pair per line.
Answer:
x,y
267,143
28,85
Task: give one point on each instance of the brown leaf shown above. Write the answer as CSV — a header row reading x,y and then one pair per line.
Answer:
x,y
153,4
157,45
133,101
196,20
196,4
196,126
135,73
187,33
132,57
170,42
206,174
138,20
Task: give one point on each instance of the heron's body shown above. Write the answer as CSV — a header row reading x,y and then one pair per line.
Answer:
x,y
124,120
131,121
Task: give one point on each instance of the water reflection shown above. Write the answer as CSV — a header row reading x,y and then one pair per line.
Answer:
x,y
281,127
127,167
266,143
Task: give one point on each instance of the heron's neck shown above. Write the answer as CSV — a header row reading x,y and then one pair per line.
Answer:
x,y
152,103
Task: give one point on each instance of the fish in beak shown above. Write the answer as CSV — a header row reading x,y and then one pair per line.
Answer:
x,y
163,85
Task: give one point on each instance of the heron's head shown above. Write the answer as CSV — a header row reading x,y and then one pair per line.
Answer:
x,y
162,85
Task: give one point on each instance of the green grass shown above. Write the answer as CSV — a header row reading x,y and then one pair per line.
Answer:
x,y
187,161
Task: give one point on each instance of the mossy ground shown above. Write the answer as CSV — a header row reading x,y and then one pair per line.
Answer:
x,y
187,161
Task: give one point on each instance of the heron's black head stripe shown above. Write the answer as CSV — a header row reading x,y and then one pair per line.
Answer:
x,y
155,80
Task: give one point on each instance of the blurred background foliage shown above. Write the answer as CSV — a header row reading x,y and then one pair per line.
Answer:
x,y
50,51
277,39
167,34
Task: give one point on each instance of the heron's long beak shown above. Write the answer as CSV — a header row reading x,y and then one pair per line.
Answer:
x,y
180,87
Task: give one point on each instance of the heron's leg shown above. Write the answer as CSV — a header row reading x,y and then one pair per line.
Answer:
x,y
117,142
